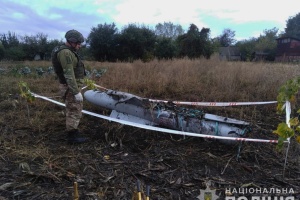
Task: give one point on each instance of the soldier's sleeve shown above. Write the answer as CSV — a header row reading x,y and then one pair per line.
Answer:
x,y
68,63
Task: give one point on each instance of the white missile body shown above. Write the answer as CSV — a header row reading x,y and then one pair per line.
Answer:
x,y
133,108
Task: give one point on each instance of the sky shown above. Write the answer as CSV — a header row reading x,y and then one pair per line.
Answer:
x,y
247,18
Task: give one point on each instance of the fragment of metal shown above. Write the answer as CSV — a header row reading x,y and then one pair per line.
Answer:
x,y
129,107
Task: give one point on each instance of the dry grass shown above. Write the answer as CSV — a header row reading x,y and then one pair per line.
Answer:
x,y
178,80
181,80
201,80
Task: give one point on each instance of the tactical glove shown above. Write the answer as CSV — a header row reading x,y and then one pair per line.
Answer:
x,y
79,97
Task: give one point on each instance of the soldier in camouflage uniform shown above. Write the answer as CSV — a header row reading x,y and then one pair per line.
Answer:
x,y
71,81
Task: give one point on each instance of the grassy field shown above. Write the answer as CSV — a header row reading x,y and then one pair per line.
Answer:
x,y
201,80
177,80
38,164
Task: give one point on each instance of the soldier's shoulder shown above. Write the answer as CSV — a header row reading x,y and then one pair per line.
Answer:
x,y
65,52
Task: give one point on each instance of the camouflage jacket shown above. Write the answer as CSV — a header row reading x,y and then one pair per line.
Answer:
x,y
73,69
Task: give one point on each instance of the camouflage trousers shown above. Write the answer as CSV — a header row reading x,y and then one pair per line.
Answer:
x,y
73,111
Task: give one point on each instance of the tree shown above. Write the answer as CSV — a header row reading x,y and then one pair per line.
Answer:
x,y
29,45
11,43
15,53
2,51
293,26
165,48
42,45
227,38
267,43
188,43
195,43
168,30
51,44
9,40
207,45
33,45
247,47
102,42
4,41
136,43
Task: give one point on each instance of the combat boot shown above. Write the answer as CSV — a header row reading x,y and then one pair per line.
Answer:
x,y
74,137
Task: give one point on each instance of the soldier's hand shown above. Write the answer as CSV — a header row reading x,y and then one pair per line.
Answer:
x,y
79,97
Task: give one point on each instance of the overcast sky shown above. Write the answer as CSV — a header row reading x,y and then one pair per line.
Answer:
x,y
248,18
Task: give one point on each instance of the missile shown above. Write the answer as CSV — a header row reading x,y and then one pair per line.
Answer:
x,y
129,107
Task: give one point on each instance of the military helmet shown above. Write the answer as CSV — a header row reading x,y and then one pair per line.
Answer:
x,y
74,36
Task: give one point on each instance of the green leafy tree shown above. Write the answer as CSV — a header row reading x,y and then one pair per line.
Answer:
x,y
168,30
189,43
206,43
15,53
267,43
2,51
11,43
165,48
9,40
4,41
195,43
51,44
293,26
136,43
227,38
42,49
30,46
36,44
247,47
102,42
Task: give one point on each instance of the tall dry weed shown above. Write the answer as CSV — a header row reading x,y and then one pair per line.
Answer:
x,y
200,79
177,79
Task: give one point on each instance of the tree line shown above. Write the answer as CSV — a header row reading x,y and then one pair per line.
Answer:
x,y
106,43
